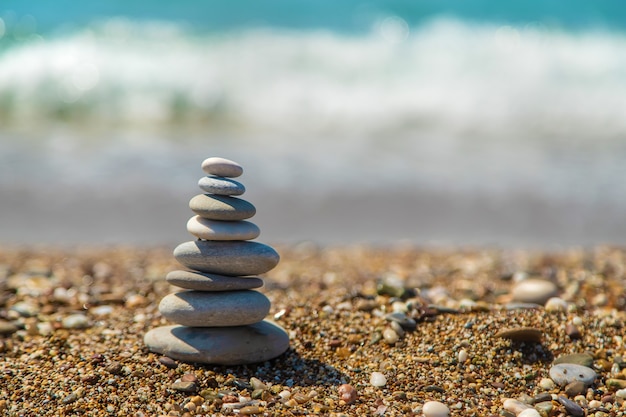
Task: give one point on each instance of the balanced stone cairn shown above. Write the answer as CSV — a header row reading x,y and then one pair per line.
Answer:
x,y
220,318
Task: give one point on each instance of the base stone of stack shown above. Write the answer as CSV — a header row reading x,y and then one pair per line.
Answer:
x,y
240,345
211,282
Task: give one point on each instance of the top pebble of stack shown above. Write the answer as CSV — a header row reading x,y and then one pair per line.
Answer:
x,y
222,167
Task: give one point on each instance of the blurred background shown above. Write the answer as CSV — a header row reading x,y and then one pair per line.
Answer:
x,y
437,122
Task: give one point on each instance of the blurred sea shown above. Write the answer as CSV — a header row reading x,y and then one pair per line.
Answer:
x,y
437,122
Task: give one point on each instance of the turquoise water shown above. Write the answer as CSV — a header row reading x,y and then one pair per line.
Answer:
x,y
489,107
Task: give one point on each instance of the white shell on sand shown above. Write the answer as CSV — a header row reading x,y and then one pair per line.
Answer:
x,y
221,207
221,186
222,230
222,167
227,257
239,345
215,309
533,290
564,373
211,282
435,409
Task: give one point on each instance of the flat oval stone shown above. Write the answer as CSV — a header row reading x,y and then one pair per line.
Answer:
x,y
227,257
222,167
238,345
533,290
222,230
211,282
583,359
521,334
215,309
220,207
564,373
221,186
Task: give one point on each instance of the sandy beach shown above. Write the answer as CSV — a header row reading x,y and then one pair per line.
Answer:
x,y
72,322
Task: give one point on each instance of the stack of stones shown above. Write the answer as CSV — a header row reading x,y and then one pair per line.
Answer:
x,y
220,318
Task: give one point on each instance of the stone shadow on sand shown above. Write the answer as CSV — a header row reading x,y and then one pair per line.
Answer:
x,y
289,369
532,352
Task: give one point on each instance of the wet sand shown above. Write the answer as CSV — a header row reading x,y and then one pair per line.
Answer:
x,y
330,300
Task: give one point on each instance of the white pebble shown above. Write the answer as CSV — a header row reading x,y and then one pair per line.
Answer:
x,y
377,379
515,406
399,307
435,409
530,412
463,356
577,321
621,393
390,336
75,321
547,384
556,305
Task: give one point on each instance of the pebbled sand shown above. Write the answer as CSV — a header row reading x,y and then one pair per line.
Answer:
x,y
327,298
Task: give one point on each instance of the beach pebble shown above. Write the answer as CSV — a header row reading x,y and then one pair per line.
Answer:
x,y
222,230
221,186
515,406
222,167
575,388
25,309
347,393
571,407
390,336
564,373
547,384
533,290
6,327
403,320
621,393
75,321
227,258
225,308
219,207
377,379
530,412
185,386
572,331
211,282
435,409
238,345
521,334
583,359
556,305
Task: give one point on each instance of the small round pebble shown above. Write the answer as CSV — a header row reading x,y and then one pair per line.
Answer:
x,y
435,409
222,167
75,321
547,384
556,305
377,379
390,336
347,393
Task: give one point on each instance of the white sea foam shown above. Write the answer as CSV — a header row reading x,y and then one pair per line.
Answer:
x,y
447,105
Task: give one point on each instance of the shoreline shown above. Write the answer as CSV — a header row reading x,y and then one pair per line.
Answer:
x,y
327,299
